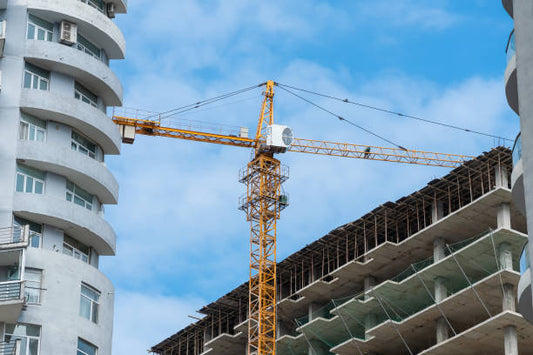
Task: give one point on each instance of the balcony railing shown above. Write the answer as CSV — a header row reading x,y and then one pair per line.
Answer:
x,y
11,290
510,49
13,235
517,149
10,348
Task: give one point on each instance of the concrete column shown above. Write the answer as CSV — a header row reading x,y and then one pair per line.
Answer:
x,y
501,179
313,307
508,301
368,284
438,249
505,256
207,334
504,216
437,211
510,340
441,291
442,330
317,348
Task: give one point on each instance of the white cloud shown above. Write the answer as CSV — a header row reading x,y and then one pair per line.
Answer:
x,y
421,14
142,319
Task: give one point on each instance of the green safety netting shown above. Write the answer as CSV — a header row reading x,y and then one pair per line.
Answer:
x,y
410,292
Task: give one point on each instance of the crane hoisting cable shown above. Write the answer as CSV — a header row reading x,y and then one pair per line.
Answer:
x,y
264,201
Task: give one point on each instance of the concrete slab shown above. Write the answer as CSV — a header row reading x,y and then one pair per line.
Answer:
x,y
487,337
462,311
226,344
384,261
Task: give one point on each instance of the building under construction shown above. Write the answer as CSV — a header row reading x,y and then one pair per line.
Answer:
x,y
434,273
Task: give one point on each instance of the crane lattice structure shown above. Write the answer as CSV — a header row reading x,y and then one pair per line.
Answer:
x,y
264,176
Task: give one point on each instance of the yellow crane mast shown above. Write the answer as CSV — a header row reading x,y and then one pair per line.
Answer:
x,y
264,201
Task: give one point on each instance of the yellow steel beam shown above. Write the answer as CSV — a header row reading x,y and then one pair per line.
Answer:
x,y
359,151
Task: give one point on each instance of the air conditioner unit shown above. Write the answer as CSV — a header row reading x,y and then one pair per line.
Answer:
x,y
279,138
111,10
68,32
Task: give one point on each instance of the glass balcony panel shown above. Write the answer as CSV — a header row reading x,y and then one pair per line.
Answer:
x,y
524,259
511,49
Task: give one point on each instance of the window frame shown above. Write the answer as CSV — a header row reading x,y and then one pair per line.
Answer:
x,y
72,194
27,177
75,251
36,77
94,309
82,145
82,352
48,33
32,130
86,48
85,95
34,234
27,337
33,284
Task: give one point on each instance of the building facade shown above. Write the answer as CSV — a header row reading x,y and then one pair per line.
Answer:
x,y
55,87
518,89
435,272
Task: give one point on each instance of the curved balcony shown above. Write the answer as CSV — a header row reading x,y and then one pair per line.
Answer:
x,y
89,71
508,5
88,227
90,121
517,177
78,168
524,286
89,20
511,85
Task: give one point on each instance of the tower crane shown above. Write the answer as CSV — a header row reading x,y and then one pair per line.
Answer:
x,y
263,177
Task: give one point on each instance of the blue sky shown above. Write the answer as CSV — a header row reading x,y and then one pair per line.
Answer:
x,y
182,243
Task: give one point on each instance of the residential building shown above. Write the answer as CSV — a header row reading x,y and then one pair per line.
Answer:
x,y
435,272
55,87
518,90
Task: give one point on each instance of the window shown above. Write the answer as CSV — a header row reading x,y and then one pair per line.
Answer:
x,y
32,129
40,29
36,78
97,4
36,231
86,348
76,249
28,334
83,94
89,303
79,196
83,145
85,46
32,286
30,180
